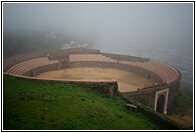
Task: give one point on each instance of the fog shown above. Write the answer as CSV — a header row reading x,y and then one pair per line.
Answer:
x,y
161,31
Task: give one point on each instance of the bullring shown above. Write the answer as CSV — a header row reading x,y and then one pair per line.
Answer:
x,y
160,96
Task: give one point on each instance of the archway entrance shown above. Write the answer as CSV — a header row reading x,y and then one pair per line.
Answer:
x,y
160,104
161,99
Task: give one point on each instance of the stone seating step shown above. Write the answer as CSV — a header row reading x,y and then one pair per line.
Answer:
x,y
22,67
28,67
155,66
21,64
172,72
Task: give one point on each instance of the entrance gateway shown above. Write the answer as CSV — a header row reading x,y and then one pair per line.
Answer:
x,y
161,99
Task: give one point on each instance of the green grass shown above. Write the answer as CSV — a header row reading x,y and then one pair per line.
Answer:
x,y
182,104
44,105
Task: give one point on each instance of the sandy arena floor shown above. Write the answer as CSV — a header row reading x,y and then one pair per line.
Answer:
x,y
126,81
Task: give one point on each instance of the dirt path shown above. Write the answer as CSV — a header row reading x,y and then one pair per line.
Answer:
x,y
185,119
127,81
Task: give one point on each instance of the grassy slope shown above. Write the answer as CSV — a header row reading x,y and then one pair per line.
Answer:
x,y
183,103
37,105
182,111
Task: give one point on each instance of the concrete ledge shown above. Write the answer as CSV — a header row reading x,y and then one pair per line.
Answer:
x,y
64,80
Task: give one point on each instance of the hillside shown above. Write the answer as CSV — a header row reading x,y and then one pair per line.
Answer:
x,y
44,105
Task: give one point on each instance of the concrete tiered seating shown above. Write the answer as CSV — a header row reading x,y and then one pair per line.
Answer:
x,y
175,72
19,65
28,67
161,67
89,57
125,58
22,67
167,73
25,66
172,71
165,77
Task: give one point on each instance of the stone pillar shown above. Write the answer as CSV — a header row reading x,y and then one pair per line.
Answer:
x,y
111,90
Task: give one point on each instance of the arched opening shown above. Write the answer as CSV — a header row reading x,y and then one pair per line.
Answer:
x,y
160,104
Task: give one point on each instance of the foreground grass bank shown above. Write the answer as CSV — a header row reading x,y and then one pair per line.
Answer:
x,y
37,105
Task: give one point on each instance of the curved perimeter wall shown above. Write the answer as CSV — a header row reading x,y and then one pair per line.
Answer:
x,y
167,78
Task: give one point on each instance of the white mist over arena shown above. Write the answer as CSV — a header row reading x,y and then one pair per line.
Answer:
x,y
162,31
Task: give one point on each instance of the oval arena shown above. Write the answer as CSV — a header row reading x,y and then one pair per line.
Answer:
x,y
159,81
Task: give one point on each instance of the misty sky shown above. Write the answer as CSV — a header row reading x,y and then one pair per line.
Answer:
x,y
110,24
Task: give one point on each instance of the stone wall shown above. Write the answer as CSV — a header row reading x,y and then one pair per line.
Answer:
x,y
109,88
41,69
146,95
161,119
173,94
